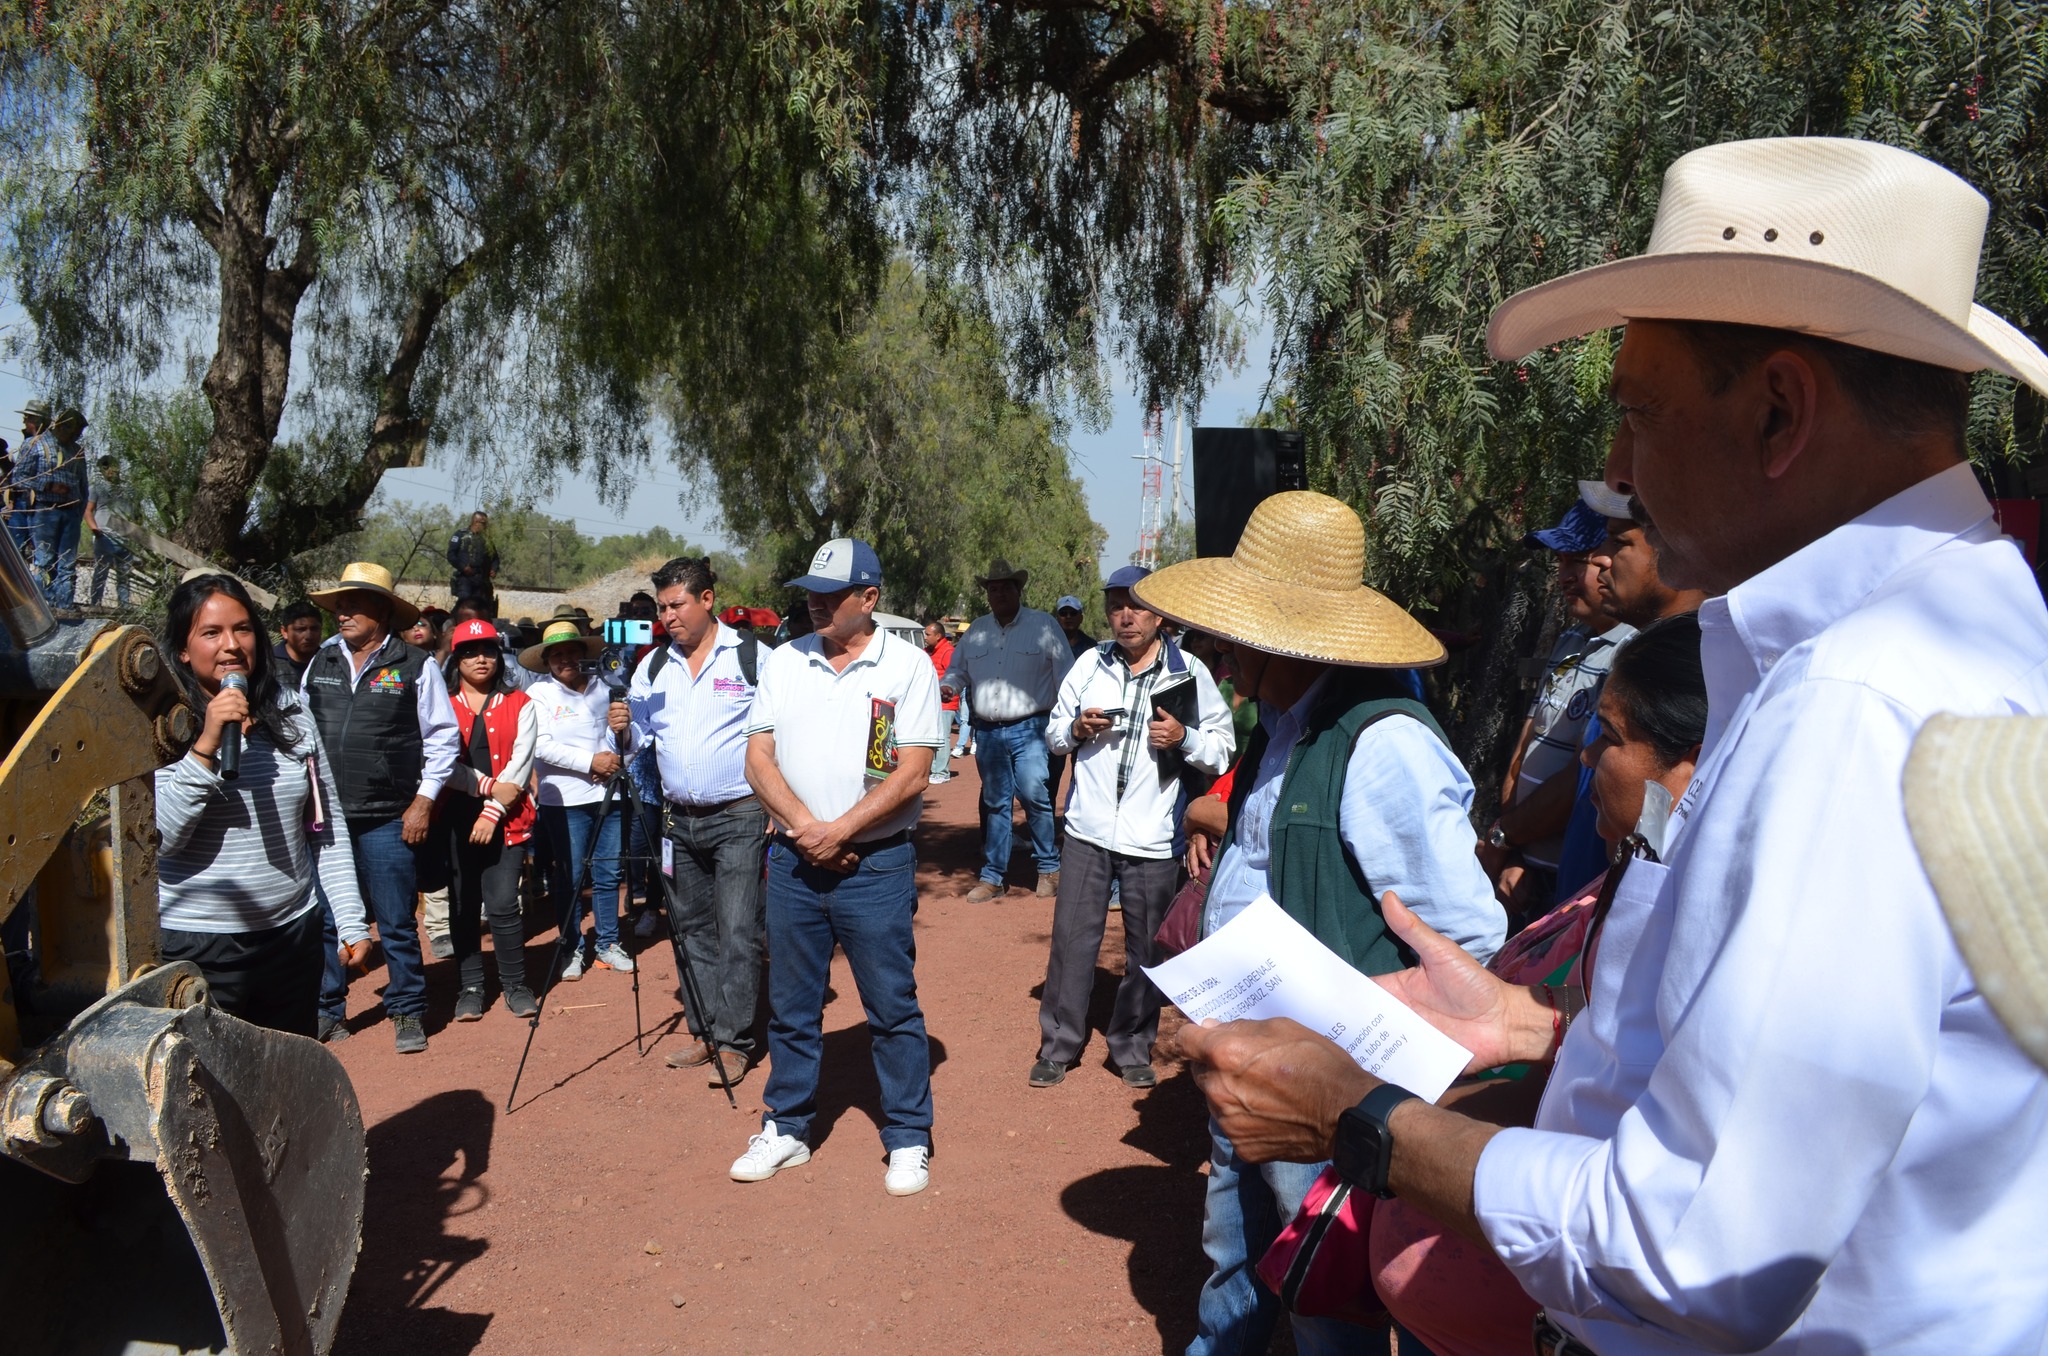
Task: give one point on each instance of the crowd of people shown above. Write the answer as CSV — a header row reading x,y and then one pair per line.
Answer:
x,y
1732,1086
49,498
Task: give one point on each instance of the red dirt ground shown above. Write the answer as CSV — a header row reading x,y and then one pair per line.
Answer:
x,y
597,1216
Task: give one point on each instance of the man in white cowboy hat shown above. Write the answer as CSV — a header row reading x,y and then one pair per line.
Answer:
x,y
1346,789
383,711
1788,1118
1010,663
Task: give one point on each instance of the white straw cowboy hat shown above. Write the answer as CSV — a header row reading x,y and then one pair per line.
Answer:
x,y
1293,587
366,577
561,631
1979,817
1846,240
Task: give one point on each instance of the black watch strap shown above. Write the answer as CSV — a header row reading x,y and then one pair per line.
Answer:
x,y
1365,1146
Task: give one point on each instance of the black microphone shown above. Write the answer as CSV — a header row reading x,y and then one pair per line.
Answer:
x,y
231,737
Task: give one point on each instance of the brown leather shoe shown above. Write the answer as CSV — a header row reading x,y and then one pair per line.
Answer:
x,y
983,893
1048,884
735,1065
690,1056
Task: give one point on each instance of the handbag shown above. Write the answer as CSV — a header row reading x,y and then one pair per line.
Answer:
x,y
1321,1264
1181,928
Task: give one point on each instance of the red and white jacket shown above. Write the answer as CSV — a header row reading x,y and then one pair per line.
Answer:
x,y
510,728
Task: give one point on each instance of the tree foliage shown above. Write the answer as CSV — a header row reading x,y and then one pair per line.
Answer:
x,y
915,445
479,225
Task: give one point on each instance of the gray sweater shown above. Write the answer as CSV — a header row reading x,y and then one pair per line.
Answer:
x,y
237,856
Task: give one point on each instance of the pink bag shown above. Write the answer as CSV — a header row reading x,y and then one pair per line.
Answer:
x,y
1321,1265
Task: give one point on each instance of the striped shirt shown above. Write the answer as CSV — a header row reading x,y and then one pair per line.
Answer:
x,y
236,856
1572,679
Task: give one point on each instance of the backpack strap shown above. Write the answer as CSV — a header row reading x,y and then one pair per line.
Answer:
x,y
750,658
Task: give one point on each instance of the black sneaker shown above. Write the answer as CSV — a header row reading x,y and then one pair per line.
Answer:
x,y
469,1005
520,1002
1047,1072
408,1034
332,1030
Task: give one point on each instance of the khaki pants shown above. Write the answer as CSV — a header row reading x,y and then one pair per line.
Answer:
x,y
434,913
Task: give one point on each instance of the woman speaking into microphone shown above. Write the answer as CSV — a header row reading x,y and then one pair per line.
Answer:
x,y
241,853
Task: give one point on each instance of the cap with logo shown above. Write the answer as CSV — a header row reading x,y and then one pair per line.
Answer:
x,y
1068,602
471,631
842,563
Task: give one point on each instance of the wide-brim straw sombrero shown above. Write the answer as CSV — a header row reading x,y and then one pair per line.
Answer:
x,y
560,632
1841,239
1294,587
364,576
1979,816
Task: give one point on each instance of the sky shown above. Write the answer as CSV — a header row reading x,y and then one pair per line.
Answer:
x,y
1104,461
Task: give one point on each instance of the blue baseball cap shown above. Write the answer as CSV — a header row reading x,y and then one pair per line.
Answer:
x,y
1124,577
842,563
1581,529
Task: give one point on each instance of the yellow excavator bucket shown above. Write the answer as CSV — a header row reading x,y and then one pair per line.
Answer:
x,y
172,1179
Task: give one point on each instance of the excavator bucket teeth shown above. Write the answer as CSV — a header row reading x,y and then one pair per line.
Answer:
x,y
234,1226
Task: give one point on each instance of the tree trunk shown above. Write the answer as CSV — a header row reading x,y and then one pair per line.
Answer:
x,y
251,370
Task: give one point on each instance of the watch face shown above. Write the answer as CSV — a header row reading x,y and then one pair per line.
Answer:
x,y
1357,1153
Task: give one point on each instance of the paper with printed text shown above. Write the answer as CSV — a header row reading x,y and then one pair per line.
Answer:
x,y
1264,964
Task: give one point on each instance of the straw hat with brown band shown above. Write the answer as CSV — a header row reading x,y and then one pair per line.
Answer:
x,y
1979,817
363,576
560,632
1294,587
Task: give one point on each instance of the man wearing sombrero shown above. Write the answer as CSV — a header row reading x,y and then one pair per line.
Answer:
x,y
1787,1118
384,714
1347,788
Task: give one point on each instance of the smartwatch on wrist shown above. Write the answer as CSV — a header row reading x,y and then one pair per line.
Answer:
x,y
1365,1147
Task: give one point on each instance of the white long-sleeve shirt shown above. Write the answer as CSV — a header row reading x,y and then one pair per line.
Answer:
x,y
1405,815
1013,671
1136,817
440,736
572,729
1787,1120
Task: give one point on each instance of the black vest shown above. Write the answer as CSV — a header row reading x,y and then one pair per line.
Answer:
x,y
372,728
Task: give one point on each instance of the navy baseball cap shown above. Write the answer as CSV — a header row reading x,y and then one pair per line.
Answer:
x,y
1124,577
842,563
1581,529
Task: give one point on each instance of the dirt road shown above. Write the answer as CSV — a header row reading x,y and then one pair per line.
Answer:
x,y
597,1216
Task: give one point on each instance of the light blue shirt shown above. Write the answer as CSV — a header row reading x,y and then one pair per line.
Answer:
x,y
698,724
1406,817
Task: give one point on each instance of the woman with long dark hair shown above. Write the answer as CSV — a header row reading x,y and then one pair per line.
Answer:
x,y
239,859
487,817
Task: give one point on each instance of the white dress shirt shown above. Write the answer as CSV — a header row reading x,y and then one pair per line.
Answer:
x,y
824,718
1788,1121
698,724
440,736
1406,816
570,730
1138,822
1013,671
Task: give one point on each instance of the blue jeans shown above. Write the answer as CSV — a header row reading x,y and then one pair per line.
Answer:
x,y
21,526
868,914
569,829
57,553
389,878
1013,763
108,554
1246,1208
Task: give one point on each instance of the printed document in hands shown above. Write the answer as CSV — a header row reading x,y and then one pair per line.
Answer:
x,y
1264,964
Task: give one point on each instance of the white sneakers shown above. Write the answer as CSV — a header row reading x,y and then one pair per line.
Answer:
x,y
770,1152
614,957
908,1172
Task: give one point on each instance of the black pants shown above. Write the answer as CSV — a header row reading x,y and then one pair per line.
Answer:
x,y
270,978
483,883
1079,916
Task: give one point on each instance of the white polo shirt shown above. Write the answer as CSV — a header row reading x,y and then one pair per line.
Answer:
x,y
824,721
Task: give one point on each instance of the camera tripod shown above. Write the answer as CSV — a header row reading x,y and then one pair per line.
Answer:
x,y
621,791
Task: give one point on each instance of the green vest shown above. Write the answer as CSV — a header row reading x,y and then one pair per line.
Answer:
x,y
1310,871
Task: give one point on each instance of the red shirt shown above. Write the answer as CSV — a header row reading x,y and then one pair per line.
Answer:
x,y
942,657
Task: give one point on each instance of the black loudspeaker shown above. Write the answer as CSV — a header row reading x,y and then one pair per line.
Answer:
x,y
1236,468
